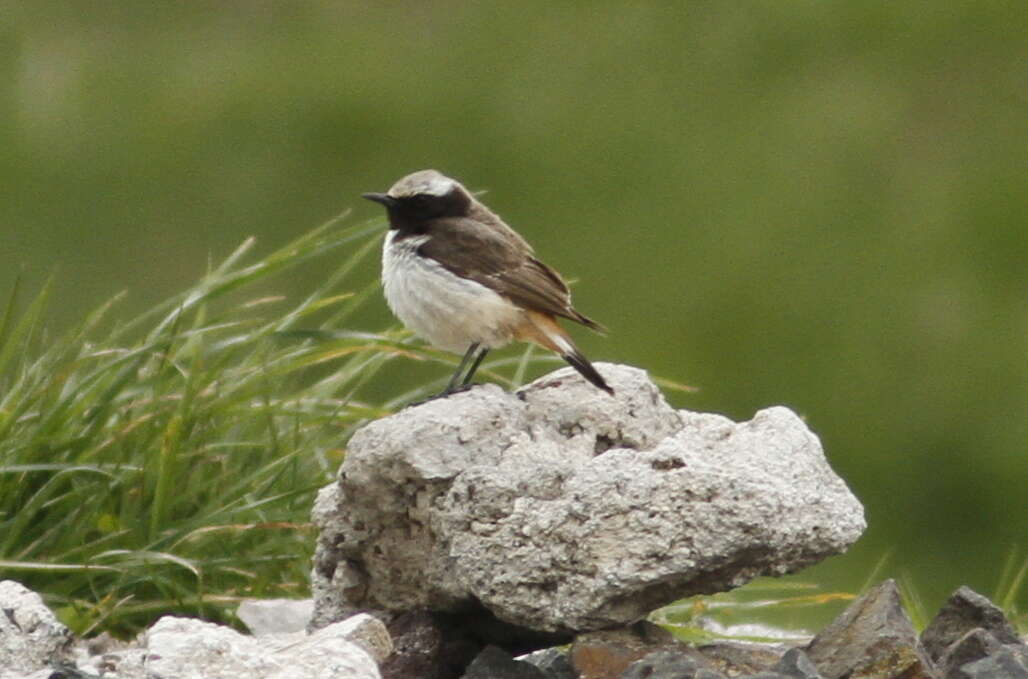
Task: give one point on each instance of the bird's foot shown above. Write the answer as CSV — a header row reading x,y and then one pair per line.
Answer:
x,y
448,391
455,390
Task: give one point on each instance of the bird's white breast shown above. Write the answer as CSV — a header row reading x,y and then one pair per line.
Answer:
x,y
448,311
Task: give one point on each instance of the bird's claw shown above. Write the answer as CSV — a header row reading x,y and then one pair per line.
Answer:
x,y
448,391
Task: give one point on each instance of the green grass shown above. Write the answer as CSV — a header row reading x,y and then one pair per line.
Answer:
x,y
1012,583
168,463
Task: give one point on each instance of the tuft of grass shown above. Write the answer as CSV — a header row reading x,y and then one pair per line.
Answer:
x,y
913,602
1012,581
168,464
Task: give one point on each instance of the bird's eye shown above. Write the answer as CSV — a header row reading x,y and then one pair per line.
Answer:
x,y
422,202
425,206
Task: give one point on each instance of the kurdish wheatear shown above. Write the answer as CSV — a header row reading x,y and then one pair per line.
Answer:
x,y
463,280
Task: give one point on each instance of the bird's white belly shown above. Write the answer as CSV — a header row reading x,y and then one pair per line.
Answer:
x,y
448,311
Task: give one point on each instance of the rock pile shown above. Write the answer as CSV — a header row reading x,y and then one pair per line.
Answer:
x,y
872,639
34,645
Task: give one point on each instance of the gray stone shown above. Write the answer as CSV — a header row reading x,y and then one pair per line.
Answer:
x,y
563,509
872,639
974,645
495,663
275,616
797,665
1004,664
31,638
964,611
669,664
607,654
734,658
554,663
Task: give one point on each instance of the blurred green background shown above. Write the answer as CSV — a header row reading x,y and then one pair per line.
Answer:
x,y
816,204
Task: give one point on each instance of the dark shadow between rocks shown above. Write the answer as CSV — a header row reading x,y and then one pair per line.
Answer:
x,y
434,645
476,623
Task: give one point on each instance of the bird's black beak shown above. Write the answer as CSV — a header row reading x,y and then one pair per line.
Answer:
x,y
383,198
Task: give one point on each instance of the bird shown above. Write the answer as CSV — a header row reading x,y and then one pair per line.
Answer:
x,y
463,280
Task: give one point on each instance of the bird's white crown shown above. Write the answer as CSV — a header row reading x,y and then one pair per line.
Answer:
x,y
430,182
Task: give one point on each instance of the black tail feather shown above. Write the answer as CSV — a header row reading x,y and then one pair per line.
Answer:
x,y
583,366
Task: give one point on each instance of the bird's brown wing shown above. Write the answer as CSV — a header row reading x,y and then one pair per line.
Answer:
x,y
538,287
489,256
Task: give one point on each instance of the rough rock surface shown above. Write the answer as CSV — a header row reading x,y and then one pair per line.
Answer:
x,y
562,509
606,654
970,638
797,665
125,662
187,648
33,645
964,611
1006,663
31,638
974,645
275,616
669,665
735,658
554,663
872,639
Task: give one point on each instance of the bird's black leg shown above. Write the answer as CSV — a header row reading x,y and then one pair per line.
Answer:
x,y
474,366
455,381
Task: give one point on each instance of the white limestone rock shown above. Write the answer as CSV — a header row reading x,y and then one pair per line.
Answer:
x,y
275,616
31,638
563,509
186,648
